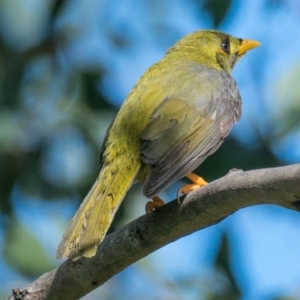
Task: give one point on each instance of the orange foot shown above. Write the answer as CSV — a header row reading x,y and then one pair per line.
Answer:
x,y
152,205
197,183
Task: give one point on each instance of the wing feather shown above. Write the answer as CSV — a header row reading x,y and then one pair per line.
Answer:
x,y
181,134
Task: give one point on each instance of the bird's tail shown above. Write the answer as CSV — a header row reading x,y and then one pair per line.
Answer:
x,y
88,227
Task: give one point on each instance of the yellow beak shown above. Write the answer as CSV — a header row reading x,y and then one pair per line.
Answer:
x,y
247,45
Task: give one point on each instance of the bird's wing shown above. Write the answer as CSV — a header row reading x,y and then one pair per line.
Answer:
x,y
181,134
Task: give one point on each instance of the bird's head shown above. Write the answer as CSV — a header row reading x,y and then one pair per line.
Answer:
x,y
212,48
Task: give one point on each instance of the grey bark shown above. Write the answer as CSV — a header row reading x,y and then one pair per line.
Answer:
x,y
199,209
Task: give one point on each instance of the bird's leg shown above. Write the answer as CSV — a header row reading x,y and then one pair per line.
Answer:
x,y
197,183
152,205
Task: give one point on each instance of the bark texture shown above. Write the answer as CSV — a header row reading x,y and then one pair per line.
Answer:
x,y
199,209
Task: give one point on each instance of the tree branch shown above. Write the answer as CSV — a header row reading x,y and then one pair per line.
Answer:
x,y
201,208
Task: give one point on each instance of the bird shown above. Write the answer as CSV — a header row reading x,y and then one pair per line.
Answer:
x,y
177,114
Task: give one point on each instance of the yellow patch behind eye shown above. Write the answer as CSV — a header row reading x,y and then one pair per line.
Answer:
x,y
220,50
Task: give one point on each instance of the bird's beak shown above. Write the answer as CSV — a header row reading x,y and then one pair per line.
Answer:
x,y
247,45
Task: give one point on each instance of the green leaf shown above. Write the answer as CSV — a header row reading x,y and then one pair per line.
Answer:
x,y
24,252
217,9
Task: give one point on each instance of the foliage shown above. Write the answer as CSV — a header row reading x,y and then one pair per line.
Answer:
x,y
56,103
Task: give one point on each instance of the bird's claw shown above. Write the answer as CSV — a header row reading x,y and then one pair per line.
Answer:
x,y
197,183
154,204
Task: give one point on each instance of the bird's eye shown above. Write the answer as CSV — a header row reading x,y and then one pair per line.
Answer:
x,y
225,46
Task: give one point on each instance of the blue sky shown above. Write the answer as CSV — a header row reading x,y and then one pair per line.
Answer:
x,y
265,239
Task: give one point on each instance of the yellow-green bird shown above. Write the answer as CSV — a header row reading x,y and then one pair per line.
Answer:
x,y
178,113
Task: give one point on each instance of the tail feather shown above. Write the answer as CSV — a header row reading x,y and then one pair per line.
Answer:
x,y
88,227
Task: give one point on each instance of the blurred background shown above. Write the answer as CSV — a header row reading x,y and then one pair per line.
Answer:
x,y
66,66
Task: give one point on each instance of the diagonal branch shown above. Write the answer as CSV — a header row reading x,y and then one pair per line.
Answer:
x,y
200,209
